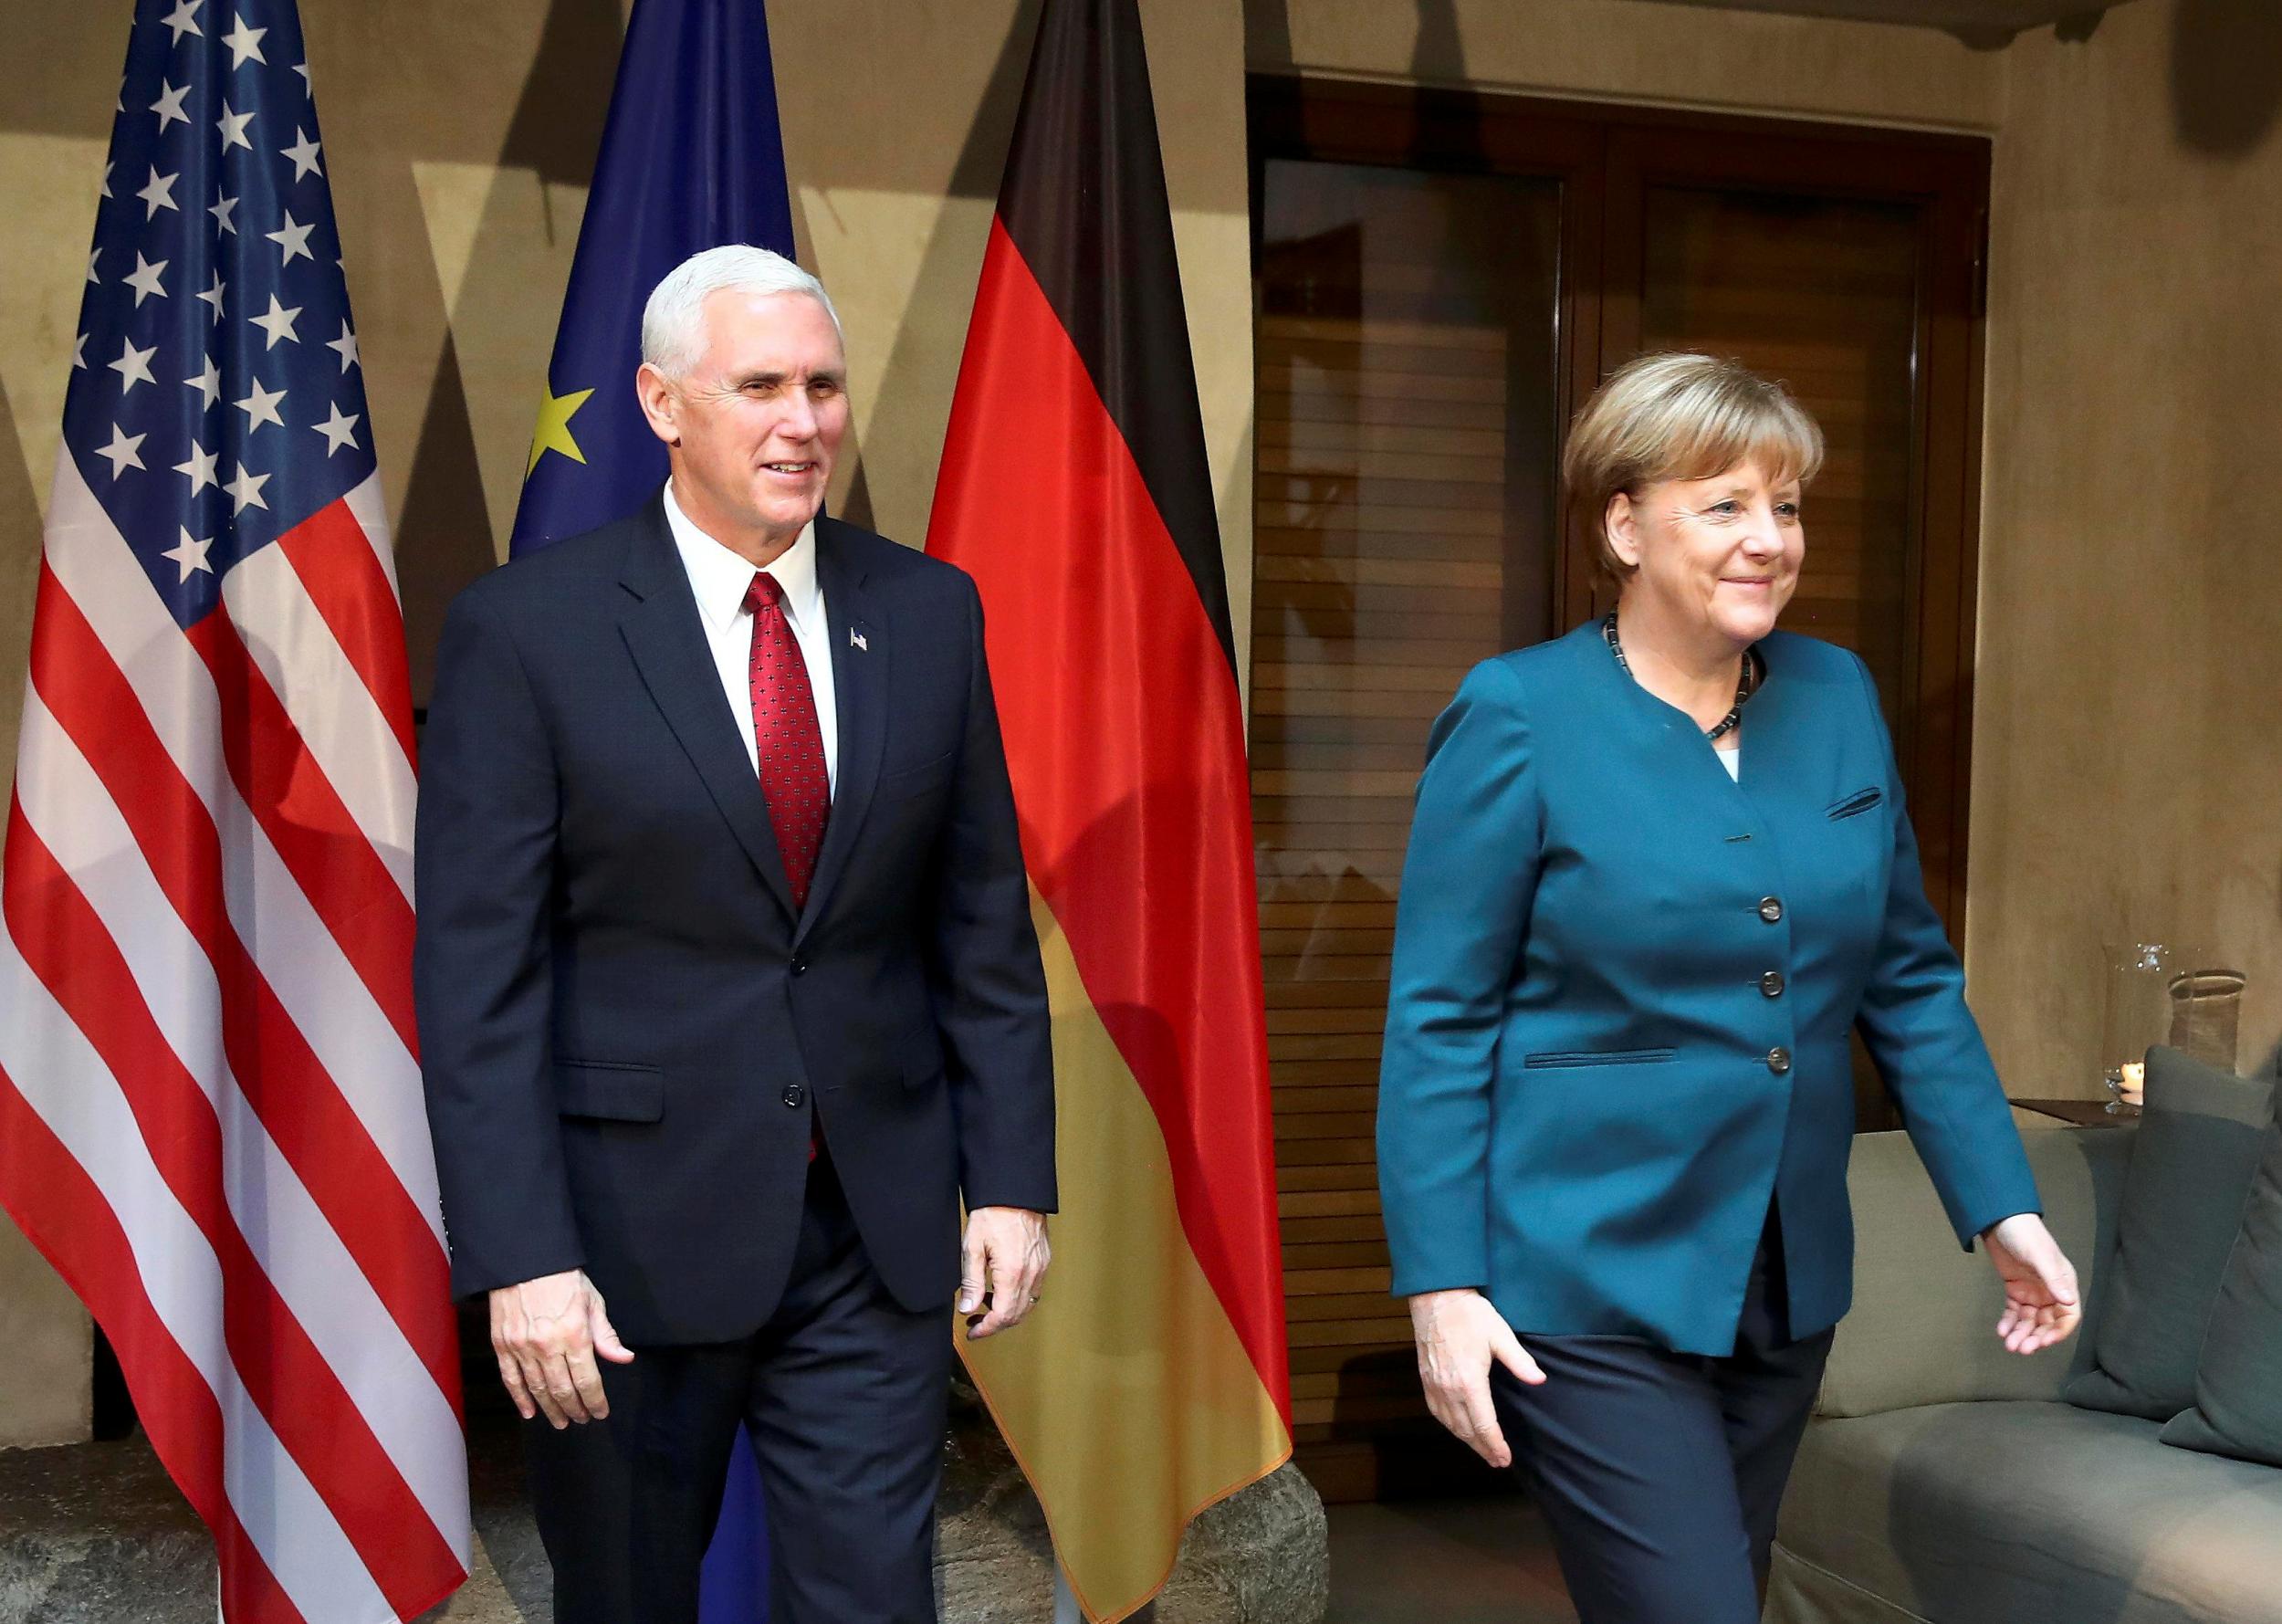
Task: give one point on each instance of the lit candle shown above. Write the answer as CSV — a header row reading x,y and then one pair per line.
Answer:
x,y
2134,1081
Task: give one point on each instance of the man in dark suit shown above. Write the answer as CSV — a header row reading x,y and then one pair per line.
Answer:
x,y
728,992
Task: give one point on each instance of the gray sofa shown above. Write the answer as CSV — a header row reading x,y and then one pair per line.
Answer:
x,y
1946,1481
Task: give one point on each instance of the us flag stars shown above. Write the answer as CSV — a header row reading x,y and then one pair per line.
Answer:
x,y
235,289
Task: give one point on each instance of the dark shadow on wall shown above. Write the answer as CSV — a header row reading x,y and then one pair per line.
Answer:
x,y
1439,53
2225,75
947,262
19,576
1439,56
20,516
1267,35
444,536
442,533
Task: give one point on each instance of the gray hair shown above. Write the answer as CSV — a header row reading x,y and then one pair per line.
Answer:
x,y
1680,416
674,319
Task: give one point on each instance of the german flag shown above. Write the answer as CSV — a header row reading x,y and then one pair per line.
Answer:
x,y
1151,1381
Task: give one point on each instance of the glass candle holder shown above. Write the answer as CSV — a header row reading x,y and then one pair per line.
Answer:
x,y
2206,1013
2138,1014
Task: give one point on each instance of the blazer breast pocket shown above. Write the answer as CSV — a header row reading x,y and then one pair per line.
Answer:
x,y
1855,804
614,1091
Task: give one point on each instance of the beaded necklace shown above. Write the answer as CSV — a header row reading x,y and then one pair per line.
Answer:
x,y
1745,686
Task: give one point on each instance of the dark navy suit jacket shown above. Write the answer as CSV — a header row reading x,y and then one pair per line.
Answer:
x,y
623,1026
1622,989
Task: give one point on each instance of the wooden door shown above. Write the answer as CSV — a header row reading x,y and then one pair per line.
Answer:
x,y
1440,277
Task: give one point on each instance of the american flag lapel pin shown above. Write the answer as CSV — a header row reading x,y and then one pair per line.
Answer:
x,y
856,640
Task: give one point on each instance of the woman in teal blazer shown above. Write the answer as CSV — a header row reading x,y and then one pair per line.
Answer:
x,y
1659,868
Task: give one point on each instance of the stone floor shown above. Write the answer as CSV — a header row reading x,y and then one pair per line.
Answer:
x,y
95,1533
1470,1561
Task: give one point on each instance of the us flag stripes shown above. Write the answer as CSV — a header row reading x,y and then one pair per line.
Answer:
x,y
210,1107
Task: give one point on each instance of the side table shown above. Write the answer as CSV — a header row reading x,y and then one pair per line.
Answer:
x,y
2080,1113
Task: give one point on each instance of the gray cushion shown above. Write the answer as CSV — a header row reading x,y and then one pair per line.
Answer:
x,y
2198,1142
1923,1326
2034,1514
2238,1385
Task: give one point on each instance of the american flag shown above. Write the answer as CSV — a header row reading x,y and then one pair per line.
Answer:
x,y
210,1106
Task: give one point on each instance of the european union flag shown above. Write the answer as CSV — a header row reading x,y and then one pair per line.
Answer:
x,y
691,159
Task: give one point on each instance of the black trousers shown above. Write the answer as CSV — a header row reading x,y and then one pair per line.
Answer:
x,y
843,1393
1660,1473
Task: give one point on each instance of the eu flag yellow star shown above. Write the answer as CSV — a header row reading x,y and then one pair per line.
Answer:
x,y
553,433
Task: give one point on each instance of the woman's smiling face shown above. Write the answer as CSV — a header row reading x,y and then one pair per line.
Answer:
x,y
1721,554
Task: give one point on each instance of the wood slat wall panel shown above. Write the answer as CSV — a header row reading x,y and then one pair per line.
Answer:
x,y
1478,627
1352,570
1354,1336
1342,965
1281,374
1473,439
1364,913
1365,651
1307,401
1379,570
1302,754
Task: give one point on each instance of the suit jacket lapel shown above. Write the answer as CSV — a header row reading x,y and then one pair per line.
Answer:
x,y
668,641
861,652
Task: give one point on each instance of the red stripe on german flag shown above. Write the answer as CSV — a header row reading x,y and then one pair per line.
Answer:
x,y
1075,489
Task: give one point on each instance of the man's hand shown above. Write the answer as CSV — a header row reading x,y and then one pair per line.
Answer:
x,y
2040,1297
1459,1333
547,1332
1006,1257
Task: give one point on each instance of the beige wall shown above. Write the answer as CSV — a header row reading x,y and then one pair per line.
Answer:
x,y
51,164
1631,51
2126,760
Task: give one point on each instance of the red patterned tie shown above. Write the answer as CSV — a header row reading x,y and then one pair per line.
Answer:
x,y
793,776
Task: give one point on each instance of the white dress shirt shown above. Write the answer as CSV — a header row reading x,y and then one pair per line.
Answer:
x,y
720,580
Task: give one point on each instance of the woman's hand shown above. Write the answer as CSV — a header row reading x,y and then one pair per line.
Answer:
x,y
2041,1295
1459,1333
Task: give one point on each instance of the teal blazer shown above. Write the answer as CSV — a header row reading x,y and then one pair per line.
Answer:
x,y
1622,988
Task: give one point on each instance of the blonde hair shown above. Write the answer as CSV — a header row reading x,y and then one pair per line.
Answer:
x,y
1680,416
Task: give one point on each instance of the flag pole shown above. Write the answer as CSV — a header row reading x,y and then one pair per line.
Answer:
x,y
1067,1611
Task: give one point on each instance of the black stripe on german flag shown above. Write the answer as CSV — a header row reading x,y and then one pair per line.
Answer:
x,y
1087,133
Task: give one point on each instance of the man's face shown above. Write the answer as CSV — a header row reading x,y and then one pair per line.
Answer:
x,y
755,426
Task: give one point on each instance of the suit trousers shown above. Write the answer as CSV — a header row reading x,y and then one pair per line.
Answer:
x,y
843,1393
1660,1473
